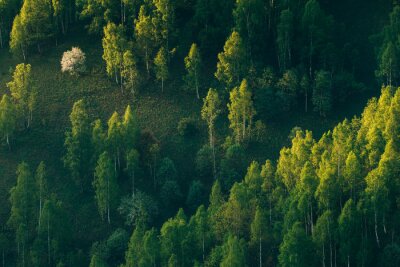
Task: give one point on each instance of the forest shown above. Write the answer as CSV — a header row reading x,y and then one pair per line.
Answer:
x,y
199,133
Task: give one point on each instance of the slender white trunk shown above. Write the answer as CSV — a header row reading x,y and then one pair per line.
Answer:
x,y
197,84
203,249
1,38
306,104
23,254
376,228
8,142
121,81
147,63
260,250
133,183
48,238
212,144
108,200
244,125
40,205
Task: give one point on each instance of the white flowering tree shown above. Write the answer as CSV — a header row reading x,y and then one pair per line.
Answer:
x,y
73,61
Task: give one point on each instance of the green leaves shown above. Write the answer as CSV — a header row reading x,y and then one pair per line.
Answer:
x,y
105,185
234,253
8,118
231,66
193,67
161,66
114,46
241,111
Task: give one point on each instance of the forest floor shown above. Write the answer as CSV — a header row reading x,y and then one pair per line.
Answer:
x,y
156,111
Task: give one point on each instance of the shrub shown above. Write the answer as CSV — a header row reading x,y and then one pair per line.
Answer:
x,y
187,127
73,61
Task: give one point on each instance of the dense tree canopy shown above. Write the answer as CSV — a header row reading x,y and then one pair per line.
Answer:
x,y
123,175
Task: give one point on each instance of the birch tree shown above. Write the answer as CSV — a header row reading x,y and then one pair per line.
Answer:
x,y
105,186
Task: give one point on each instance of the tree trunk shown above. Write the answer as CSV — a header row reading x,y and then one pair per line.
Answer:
x,y
122,12
260,250
62,26
1,38
118,159
48,238
147,64
23,254
8,142
40,206
212,144
23,53
133,183
30,116
108,200
244,126
115,164
311,49
203,249
214,164
270,210
376,229
197,84
121,80
306,104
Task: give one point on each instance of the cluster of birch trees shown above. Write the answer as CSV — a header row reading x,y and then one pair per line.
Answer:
x,y
327,202
17,108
